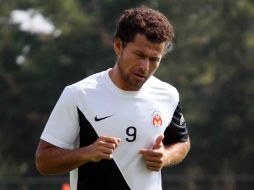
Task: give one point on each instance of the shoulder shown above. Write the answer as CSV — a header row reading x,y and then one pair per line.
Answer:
x,y
88,83
163,88
160,85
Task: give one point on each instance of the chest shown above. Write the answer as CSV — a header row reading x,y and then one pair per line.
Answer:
x,y
137,121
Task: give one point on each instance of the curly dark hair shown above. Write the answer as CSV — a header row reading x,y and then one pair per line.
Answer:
x,y
144,20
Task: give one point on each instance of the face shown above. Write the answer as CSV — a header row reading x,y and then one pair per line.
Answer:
x,y
136,62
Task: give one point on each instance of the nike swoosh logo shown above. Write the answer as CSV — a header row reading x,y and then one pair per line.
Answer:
x,y
101,118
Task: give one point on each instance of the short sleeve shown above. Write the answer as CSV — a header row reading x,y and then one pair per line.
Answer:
x,y
62,126
177,129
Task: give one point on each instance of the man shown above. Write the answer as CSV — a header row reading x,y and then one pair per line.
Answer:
x,y
118,128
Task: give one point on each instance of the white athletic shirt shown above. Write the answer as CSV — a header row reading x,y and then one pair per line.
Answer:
x,y
95,106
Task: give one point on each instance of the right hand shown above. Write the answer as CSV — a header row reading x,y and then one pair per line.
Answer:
x,y
103,148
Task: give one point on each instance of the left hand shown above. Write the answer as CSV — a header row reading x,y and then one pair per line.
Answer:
x,y
154,158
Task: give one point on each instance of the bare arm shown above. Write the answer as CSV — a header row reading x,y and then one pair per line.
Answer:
x,y
176,153
54,160
161,156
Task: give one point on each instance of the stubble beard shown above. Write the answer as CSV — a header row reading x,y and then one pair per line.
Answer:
x,y
134,84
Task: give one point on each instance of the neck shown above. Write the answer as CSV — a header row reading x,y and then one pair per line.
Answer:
x,y
115,76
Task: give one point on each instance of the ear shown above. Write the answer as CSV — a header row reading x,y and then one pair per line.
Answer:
x,y
118,46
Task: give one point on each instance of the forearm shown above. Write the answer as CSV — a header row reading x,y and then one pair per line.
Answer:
x,y
175,153
54,160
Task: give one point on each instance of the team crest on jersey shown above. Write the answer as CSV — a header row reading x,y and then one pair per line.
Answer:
x,y
157,121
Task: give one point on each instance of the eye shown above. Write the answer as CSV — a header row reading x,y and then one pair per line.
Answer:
x,y
140,55
154,60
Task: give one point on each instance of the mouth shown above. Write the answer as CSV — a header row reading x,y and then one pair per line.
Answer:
x,y
139,76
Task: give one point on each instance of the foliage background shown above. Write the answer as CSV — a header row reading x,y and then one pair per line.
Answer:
x,y
212,66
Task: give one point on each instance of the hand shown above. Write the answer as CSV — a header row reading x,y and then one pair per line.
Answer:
x,y
103,148
154,158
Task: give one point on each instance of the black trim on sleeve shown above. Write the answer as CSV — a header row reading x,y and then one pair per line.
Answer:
x,y
177,129
97,175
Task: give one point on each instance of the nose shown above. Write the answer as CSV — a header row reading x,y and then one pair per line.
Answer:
x,y
144,64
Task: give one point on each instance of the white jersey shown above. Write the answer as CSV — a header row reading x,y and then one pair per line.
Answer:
x,y
94,107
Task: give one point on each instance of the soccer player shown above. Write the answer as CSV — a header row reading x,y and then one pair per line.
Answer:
x,y
118,128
